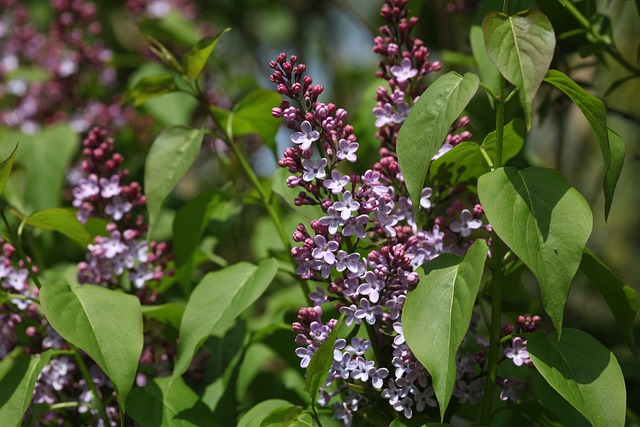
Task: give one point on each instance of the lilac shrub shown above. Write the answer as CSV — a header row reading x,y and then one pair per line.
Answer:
x,y
365,250
52,77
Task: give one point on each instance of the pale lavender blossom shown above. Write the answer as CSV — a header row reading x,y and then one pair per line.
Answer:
x,y
424,198
306,137
347,206
110,187
466,224
337,182
333,220
517,352
356,226
347,150
314,170
404,71
367,312
325,249
384,115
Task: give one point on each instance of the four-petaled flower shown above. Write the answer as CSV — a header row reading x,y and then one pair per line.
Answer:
x,y
306,137
466,223
518,352
337,182
404,71
314,170
347,150
346,206
324,250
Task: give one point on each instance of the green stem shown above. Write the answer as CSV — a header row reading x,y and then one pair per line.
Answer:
x,y
488,90
227,137
497,278
611,49
92,388
65,405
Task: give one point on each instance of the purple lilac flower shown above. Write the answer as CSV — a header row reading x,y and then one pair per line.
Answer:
x,y
517,352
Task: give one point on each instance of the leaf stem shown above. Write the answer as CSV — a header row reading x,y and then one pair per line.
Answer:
x,y
227,137
611,48
488,90
497,278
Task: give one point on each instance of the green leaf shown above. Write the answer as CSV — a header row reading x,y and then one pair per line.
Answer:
x,y
489,74
5,169
521,46
513,140
196,59
188,227
149,87
282,417
153,406
63,221
17,384
106,324
321,363
166,313
252,115
162,52
254,417
464,163
428,124
46,157
171,155
215,303
437,314
621,298
595,112
544,221
584,372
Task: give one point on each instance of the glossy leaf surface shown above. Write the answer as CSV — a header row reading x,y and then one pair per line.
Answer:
x,y
584,372
171,155
428,124
621,298
17,384
217,300
63,221
153,406
106,324
544,221
521,46
5,169
437,313
196,59
595,112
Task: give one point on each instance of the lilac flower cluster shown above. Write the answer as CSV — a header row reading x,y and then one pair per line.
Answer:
x,y
360,212
102,192
44,76
23,329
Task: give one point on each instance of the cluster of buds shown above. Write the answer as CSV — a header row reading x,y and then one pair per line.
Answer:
x,y
101,192
64,62
365,247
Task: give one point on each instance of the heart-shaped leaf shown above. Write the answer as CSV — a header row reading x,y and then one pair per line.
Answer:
x,y
544,221
106,324
16,386
171,155
610,143
621,298
437,313
584,372
522,47
428,124
216,301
